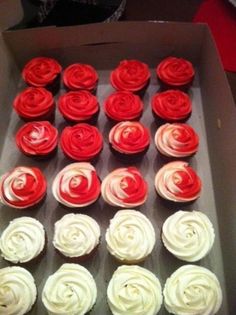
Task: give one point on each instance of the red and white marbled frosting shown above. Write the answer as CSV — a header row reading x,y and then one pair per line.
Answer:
x,y
177,181
76,185
124,187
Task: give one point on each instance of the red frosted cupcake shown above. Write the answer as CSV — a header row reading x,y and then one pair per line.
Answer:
x,y
178,182
176,140
34,104
76,185
79,106
171,105
37,139
131,75
22,187
43,72
175,73
80,76
81,142
123,105
129,139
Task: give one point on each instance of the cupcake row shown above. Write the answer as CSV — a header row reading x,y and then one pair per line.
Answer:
x,y
131,290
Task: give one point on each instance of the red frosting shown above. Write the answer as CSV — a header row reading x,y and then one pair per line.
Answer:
x,y
22,187
81,142
37,138
172,105
130,75
41,71
129,137
188,182
80,76
123,105
175,71
32,103
78,105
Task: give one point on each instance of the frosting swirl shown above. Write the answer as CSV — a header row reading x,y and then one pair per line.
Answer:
x,y
78,106
70,290
81,142
37,138
123,105
32,103
22,240
80,76
134,290
188,235
76,235
175,71
130,236
22,187
177,181
76,185
176,140
41,71
130,75
192,290
124,187
171,105
17,291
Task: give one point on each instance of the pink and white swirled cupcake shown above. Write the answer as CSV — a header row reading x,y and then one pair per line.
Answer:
x,y
178,182
22,187
76,185
124,187
176,140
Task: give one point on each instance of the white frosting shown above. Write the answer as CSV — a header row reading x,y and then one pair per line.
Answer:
x,y
192,290
17,291
76,235
134,290
71,290
130,236
22,240
189,235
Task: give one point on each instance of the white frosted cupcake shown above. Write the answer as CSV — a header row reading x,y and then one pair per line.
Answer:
x,y
76,236
17,291
134,290
188,235
192,290
22,240
130,237
70,290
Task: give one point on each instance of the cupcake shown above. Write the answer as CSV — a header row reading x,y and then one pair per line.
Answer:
x,y
34,104
171,105
124,187
81,142
80,76
23,240
70,290
129,140
176,140
192,290
42,72
175,73
76,236
37,139
123,105
178,182
188,235
131,75
18,291
77,185
130,236
79,106
134,290
22,187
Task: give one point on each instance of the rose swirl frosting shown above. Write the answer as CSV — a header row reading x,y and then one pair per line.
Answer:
x,y
177,181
